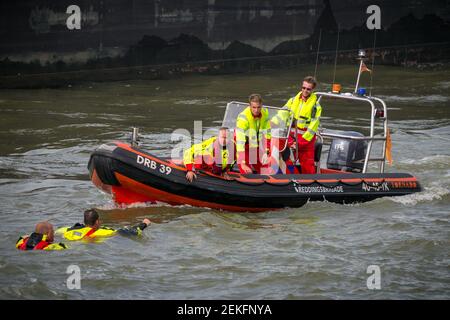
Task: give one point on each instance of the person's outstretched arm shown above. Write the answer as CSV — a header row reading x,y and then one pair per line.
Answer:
x,y
134,230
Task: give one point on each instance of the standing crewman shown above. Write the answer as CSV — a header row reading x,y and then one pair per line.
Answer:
x,y
252,136
306,111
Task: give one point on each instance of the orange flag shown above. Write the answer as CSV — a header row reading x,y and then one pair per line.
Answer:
x,y
389,148
364,67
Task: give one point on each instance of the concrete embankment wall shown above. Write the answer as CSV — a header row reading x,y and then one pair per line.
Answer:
x,y
43,44
431,56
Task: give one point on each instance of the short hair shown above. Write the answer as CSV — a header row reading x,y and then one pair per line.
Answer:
x,y
255,97
43,228
90,217
311,80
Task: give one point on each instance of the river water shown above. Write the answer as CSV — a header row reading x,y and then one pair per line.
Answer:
x,y
319,251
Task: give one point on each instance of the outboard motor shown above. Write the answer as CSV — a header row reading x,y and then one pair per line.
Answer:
x,y
346,154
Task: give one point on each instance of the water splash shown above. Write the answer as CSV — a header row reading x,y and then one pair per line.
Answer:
x,y
429,194
433,161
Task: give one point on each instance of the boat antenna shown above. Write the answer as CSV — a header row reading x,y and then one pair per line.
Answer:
x,y
373,60
335,57
361,56
317,55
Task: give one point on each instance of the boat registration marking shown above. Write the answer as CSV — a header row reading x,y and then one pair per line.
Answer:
x,y
151,164
375,186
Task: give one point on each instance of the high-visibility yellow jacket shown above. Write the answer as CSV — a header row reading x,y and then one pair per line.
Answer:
x,y
80,231
307,113
251,130
37,241
210,155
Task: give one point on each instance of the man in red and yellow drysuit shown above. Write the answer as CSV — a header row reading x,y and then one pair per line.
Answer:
x,y
40,239
252,136
306,111
92,228
216,155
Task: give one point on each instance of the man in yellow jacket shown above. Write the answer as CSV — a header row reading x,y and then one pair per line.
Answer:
x,y
306,111
92,228
252,136
216,154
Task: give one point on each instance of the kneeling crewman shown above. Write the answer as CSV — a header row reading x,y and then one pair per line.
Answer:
x,y
216,155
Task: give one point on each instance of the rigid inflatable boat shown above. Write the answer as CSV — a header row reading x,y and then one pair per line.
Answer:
x,y
133,175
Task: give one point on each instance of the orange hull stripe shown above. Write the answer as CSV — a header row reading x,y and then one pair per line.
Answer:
x,y
401,179
128,148
170,198
351,180
243,179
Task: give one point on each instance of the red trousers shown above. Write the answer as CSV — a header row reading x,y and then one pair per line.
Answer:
x,y
306,154
256,167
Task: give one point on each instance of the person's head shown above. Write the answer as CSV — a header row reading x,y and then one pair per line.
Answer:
x,y
91,218
255,102
308,85
223,136
45,228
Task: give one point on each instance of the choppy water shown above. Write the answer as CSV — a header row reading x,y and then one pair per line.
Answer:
x,y
319,251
